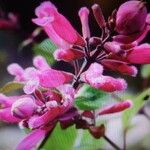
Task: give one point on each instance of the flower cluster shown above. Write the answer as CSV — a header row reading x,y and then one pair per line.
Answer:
x,y
49,94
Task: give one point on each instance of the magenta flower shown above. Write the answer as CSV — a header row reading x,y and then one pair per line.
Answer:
x,y
50,93
56,26
94,77
129,14
40,75
37,113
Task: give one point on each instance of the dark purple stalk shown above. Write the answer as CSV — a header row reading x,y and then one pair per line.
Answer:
x,y
111,143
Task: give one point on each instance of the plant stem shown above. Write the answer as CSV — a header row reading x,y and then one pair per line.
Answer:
x,y
111,143
124,139
94,119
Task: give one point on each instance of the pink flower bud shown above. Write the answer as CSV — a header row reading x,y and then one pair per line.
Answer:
x,y
139,54
121,106
68,54
98,15
131,17
84,14
23,108
56,26
120,66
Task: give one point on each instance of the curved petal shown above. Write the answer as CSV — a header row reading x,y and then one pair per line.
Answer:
x,y
5,115
120,67
32,139
121,106
139,54
54,78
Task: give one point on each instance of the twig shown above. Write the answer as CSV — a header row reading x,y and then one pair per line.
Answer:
x,y
111,143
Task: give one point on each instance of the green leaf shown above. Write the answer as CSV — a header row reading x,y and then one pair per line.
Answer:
x,y
61,139
46,48
138,102
87,142
11,86
90,98
145,71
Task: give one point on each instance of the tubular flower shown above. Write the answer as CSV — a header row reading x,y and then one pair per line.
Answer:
x,y
39,75
39,114
56,26
94,77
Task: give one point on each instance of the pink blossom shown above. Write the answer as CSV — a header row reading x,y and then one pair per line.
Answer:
x,y
56,26
54,78
83,14
120,66
68,54
94,77
129,14
139,54
118,107
23,108
33,139
5,108
40,75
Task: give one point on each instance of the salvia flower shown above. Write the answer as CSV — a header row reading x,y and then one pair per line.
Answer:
x,y
50,93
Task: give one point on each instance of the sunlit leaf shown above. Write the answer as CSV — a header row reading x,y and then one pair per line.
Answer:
x,y
61,139
11,86
46,48
86,141
90,98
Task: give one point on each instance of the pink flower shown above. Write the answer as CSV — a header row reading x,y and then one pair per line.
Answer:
x,y
84,14
68,54
120,66
40,114
40,75
56,26
129,14
118,107
94,77
33,139
139,54
23,108
5,108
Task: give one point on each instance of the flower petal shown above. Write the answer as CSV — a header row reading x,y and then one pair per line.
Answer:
x,y
120,67
31,140
68,54
6,116
54,78
139,54
121,106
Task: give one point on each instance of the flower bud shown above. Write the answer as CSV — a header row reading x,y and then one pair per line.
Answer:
x,y
116,107
23,108
131,17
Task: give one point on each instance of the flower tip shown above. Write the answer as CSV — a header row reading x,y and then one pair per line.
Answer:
x,y
83,11
95,6
128,103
